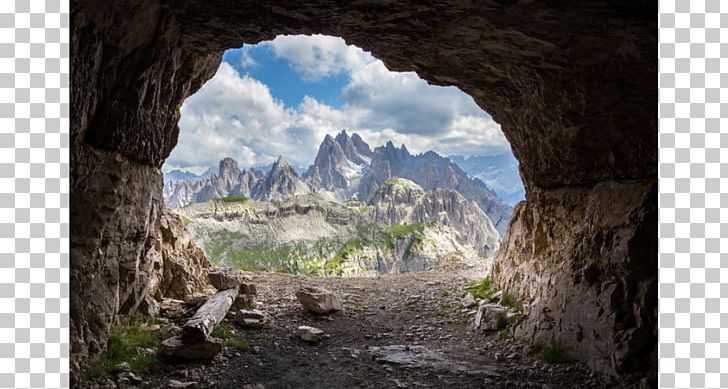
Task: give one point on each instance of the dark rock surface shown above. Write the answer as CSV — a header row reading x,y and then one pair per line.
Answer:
x,y
572,85
588,271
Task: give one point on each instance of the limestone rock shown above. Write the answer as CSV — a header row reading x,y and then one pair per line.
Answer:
x,y
490,317
170,329
244,301
196,299
280,183
579,265
252,318
172,307
149,306
309,334
175,347
469,301
318,300
248,288
174,384
400,200
130,377
226,278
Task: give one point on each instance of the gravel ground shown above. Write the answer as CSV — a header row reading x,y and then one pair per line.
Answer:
x,y
401,331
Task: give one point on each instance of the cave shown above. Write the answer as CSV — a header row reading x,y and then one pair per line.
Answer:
x,y
572,85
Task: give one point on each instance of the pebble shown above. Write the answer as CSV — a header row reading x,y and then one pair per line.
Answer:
x,y
309,334
174,384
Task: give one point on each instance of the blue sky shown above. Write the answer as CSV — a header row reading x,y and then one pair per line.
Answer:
x,y
281,97
261,63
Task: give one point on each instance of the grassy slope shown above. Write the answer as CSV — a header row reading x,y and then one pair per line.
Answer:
x,y
326,256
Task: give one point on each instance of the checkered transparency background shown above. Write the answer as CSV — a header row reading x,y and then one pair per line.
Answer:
x,y
34,78
34,194
693,228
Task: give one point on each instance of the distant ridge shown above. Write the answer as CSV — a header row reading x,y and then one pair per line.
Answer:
x,y
345,168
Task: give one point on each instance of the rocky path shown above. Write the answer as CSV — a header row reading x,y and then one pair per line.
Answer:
x,y
404,331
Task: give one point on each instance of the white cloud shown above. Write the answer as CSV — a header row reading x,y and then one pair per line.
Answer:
x,y
235,115
318,56
246,58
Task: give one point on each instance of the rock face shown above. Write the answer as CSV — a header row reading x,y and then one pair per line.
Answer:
x,y
401,201
569,83
183,270
596,290
431,171
318,300
499,172
280,183
148,254
331,166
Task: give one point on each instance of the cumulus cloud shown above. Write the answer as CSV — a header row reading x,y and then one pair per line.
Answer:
x,y
318,56
235,115
246,58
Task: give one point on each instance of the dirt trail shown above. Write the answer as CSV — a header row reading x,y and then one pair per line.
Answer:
x,y
403,331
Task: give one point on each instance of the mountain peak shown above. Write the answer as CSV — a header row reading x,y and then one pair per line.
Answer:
x,y
281,164
228,168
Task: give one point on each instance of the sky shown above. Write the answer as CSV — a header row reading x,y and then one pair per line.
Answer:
x,y
281,97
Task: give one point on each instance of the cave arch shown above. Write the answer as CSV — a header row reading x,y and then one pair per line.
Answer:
x,y
571,84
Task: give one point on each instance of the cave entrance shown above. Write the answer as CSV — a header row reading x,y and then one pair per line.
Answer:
x,y
571,85
305,155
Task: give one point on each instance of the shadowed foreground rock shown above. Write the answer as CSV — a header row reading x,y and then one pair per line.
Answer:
x,y
571,83
177,347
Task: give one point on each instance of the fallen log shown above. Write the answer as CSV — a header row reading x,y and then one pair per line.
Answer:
x,y
210,314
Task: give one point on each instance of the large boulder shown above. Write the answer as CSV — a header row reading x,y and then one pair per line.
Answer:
x,y
318,300
490,317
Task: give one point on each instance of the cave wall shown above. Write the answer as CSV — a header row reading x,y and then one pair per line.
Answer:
x,y
584,259
572,84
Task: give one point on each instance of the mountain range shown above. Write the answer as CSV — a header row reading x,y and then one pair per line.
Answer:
x,y
401,229
345,168
499,172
